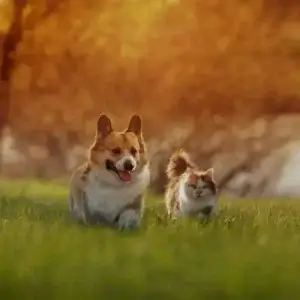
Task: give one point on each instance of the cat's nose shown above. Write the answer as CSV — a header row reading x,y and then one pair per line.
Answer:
x,y
207,210
199,193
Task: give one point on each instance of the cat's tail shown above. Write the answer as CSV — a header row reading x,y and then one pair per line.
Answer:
x,y
178,164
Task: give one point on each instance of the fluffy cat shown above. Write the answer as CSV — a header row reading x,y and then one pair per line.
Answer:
x,y
190,192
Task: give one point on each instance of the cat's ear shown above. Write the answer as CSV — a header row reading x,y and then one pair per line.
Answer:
x,y
192,179
210,173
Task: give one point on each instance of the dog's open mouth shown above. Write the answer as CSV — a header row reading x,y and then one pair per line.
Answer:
x,y
123,175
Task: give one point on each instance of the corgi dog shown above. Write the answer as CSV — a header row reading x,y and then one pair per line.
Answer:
x,y
190,192
109,188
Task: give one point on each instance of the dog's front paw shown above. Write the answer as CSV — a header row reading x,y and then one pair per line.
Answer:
x,y
129,219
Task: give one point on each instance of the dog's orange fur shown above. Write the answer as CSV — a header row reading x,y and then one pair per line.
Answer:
x,y
127,141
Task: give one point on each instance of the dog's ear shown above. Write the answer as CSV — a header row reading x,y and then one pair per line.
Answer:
x,y
135,125
104,127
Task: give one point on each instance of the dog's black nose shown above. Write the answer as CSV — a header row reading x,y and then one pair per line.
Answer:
x,y
128,165
207,210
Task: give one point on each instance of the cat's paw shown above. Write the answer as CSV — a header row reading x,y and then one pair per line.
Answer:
x,y
129,219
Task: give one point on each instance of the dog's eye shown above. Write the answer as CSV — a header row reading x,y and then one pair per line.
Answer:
x,y
116,151
133,151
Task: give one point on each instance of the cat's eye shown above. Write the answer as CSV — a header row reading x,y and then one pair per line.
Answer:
x,y
194,186
133,151
116,151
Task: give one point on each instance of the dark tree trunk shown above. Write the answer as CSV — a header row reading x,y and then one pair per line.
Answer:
x,y
10,42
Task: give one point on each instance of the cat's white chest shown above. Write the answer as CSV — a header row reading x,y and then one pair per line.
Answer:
x,y
185,204
188,206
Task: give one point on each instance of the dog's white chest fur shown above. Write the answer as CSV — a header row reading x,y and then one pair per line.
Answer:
x,y
109,199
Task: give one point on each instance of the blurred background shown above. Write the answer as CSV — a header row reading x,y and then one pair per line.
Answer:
x,y
219,78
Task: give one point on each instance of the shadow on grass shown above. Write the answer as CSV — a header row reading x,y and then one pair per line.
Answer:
x,y
24,208
49,212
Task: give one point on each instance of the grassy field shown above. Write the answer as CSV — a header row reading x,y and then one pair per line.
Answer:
x,y
250,251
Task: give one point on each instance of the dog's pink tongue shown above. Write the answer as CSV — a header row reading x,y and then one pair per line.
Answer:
x,y
125,176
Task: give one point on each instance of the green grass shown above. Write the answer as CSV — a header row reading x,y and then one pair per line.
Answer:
x,y
250,251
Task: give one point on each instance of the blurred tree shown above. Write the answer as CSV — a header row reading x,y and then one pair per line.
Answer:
x,y
11,40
